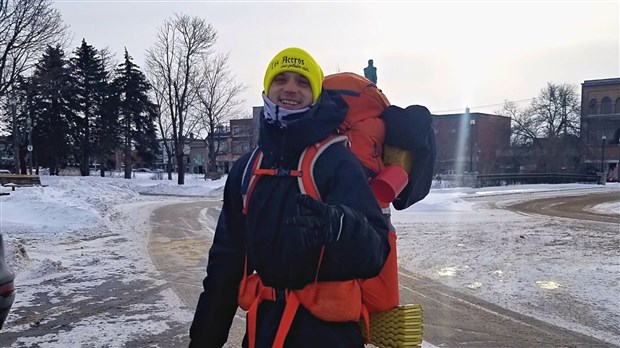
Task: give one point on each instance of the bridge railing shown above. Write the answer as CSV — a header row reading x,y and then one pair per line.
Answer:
x,y
484,180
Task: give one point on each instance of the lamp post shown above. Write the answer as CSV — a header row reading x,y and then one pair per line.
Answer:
x,y
13,104
618,165
29,126
472,123
603,138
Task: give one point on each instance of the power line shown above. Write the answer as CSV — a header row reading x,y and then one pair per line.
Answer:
x,y
484,106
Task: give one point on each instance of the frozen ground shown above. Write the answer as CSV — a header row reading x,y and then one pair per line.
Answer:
x,y
84,230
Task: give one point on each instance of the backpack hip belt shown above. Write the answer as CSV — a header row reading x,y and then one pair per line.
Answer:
x,y
330,301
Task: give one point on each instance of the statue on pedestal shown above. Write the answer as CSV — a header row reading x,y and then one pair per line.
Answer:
x,y
370,72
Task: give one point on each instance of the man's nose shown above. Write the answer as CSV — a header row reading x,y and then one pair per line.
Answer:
x,y
290,86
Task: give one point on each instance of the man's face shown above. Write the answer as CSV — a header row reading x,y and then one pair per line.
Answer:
x,y
290,90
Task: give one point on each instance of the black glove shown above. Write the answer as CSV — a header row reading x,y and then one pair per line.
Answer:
x,y
319,223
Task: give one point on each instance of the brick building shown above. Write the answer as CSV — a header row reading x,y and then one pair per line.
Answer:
x,y
243,133
235,140
471,142
600,126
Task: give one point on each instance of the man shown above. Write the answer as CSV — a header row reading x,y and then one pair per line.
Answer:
x,y
292,241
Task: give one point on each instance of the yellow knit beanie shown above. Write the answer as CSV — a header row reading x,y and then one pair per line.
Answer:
x,y
296,60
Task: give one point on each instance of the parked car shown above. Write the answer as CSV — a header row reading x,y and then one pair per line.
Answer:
x,y
7,288
5,171
143,170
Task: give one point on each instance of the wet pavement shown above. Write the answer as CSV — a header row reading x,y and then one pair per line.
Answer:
x,y
180,240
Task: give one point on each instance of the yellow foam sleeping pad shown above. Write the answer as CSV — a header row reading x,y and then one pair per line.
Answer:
x,y
400,327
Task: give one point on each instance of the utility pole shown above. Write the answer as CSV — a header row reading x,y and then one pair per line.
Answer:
x,y
472,123
603,138
13,104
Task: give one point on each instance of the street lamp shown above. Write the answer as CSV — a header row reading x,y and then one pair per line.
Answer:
x,y
13,104
29,126
603,138
472,123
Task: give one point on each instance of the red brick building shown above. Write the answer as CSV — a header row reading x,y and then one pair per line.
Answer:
x,y
600,126
471,142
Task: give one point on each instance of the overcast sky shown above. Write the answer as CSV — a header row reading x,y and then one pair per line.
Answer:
x,y
445,55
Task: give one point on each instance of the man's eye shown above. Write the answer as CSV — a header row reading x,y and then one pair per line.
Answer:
x,y
304,83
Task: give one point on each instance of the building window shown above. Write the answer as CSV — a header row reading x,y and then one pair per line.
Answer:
x,y
606,105
592,109
617,106
240,131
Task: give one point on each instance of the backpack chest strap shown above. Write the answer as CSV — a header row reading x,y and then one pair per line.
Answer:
x,y
278,172
304,172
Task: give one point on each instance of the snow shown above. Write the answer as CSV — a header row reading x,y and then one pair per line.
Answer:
x,y
607,208
85,231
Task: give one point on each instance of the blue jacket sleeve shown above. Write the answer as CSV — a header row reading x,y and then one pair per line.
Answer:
x,y
218,301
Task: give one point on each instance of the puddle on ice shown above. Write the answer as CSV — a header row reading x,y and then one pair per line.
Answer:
x,y
548,284
447,271
474,285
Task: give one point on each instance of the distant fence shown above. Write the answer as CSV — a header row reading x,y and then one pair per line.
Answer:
x,y
483,180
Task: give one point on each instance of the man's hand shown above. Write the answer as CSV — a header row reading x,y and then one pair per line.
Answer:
x,y
320,223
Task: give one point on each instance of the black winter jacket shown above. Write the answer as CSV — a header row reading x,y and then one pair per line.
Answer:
x,y
276,252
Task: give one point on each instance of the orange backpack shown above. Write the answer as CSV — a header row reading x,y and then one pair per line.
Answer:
x,y
363,124
364,132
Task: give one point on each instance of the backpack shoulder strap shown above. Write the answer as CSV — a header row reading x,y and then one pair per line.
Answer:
x,y
249,178
308,158
304,172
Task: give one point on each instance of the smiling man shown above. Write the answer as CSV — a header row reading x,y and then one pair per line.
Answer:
x,y
274,247
292,84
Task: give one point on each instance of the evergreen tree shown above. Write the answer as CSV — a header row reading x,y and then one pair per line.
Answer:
x,y
90,89
106,131
136,113
48,92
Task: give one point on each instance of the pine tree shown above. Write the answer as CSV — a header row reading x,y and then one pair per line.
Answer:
x,y
90,89
48,93
107,130
136,113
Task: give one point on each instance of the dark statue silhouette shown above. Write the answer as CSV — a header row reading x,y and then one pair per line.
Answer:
x,y
370,72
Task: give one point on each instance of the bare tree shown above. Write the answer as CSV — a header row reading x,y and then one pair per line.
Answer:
x,y
182,43
554,113
164,125
557,110
27,27
548,128
522,125
218,94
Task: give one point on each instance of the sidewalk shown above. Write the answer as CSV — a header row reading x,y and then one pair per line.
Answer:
x,y
454,319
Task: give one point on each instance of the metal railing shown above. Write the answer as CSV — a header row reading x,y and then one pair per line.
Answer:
x,y
484,180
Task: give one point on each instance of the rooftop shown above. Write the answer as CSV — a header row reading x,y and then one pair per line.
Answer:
x,y
602,82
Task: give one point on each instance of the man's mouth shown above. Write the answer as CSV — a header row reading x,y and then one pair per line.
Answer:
x,y
289,102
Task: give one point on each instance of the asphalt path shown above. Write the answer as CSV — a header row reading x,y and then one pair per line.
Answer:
x,y
182,233
570,206
179,243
